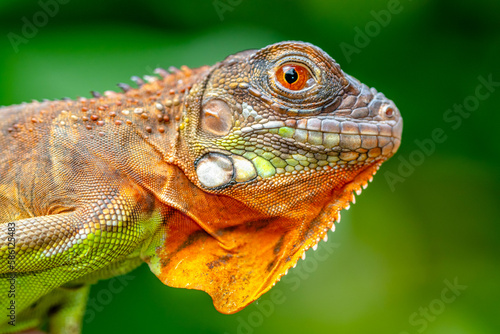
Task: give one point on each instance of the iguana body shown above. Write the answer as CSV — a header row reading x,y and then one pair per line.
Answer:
x,y
220,178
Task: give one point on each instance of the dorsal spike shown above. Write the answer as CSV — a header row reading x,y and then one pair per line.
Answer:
x,y
186,70
150,78
125,87
161,72
174,70
137,80
95,94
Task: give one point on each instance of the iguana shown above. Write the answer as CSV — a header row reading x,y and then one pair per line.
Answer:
x,y
219,178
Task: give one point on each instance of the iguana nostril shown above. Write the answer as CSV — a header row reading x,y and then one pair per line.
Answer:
x,y
389,112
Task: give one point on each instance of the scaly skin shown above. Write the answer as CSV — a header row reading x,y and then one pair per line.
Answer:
x,y
220,178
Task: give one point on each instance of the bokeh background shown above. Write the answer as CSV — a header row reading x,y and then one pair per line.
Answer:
x,y
422,225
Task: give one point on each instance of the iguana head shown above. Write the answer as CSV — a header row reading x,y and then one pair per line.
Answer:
x,y
272,145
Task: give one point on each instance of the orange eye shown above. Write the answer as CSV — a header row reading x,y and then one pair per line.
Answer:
x,y
293,76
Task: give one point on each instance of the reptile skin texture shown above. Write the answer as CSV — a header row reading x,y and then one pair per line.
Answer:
x,y
219,178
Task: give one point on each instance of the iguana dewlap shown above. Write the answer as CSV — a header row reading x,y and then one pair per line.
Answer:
x,y
219,177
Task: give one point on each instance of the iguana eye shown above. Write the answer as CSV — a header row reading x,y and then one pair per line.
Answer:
x,y
294,76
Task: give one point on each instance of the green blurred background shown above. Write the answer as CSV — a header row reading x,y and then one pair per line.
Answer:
x,y
384,269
